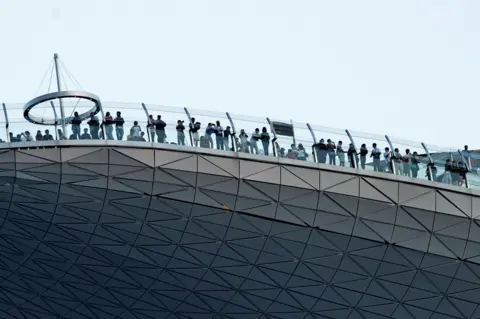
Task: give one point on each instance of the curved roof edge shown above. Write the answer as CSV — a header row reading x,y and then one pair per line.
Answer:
x,y
242,156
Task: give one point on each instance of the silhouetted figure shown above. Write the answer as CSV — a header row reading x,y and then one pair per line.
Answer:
x,y
94,125
119,121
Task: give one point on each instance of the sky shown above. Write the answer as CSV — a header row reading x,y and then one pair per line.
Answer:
x,y
409,69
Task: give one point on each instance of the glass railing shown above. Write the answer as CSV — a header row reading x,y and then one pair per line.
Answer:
x,y
241,133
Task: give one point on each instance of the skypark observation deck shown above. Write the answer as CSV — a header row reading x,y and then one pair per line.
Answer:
x,y
138,229
284,136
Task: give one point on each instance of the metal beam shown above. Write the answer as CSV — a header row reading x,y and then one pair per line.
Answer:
x,y
6,122
234,132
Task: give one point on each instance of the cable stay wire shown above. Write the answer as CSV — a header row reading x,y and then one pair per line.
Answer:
x,y
70,75
44,77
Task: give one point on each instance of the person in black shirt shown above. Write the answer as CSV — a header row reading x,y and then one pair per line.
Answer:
x,y
76,121
160,129
363,155
119,126
321,150
227,133
352,156
38,137
414,168
180,132
47,136
331,152
94,125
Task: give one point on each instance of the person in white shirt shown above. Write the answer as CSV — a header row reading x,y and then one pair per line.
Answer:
x,y
243,137
398,162
135,131
386,156
253,141
376,153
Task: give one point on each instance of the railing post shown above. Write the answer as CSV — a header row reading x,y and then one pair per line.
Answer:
x,y
234,132
191,122
56,119
314,153
293,131
431,162
354,159
392,166
6,122
467,166
274,137
148,119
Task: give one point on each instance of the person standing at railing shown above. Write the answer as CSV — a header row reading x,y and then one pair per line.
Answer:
x,y
301,153
160,129
76,121
341,153
47,136
376,153
387,157
331,152
227,133
209,130
397,161
193,128
151,127
243,141
180,132
108,123
363,155
253,141
265,138
85,135
352,156
135,132
94,126
406,159
119,121
447,175
414,161
321,151
218,130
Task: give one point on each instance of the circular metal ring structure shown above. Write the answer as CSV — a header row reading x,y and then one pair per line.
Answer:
x,y
61,95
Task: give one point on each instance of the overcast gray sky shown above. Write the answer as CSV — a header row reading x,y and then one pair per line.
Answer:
x,y
404,68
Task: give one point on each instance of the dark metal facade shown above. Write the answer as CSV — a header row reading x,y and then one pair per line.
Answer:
x,y
125,232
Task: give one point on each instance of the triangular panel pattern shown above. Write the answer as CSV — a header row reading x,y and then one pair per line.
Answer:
x,y
127,233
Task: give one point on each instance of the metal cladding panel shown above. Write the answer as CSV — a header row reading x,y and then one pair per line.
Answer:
x,y
141,233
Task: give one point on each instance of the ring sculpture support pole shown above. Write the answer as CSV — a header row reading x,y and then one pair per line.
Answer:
x,y
59,88
56,119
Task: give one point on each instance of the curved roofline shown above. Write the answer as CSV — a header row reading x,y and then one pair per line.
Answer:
x,y
238,155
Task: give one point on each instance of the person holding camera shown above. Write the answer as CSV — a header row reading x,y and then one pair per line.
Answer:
x,y
180,132
218,130
253,141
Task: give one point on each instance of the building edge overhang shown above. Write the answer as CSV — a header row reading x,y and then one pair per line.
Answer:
x,y
240,156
